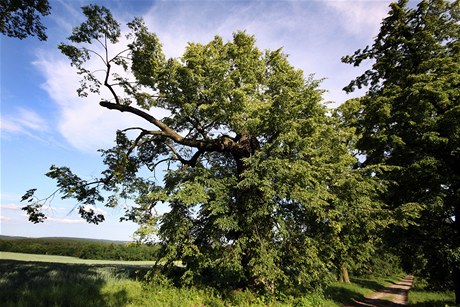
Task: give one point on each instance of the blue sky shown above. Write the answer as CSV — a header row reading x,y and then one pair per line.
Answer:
x,y
43,122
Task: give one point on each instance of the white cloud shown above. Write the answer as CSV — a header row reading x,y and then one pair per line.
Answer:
x,y
81,121
62,220
94,209
23,121
14,207
15,213
4,219
315,34
360,18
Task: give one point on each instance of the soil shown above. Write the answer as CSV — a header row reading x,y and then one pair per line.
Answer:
x,y
391,296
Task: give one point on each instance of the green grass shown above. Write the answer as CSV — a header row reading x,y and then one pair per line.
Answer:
x,y
430,298
66,259
344,294
43,280
419,296
58,284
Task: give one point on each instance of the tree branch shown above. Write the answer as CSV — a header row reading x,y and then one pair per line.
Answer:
x,y
170,133
221,144
106,83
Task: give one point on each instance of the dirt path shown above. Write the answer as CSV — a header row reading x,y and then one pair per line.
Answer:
x,y
393,295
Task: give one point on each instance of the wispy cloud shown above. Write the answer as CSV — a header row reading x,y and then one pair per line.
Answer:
x,y
81,121
4,219
13,213
62,220
14,207
360,18
23,121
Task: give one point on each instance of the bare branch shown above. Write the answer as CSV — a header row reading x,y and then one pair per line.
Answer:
x,y
118,54
106,84
174,151
97,54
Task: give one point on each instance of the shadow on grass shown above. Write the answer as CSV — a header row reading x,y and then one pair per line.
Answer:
x,y
375,302
55,284
341,295
431,303
348,297
353,294
369,284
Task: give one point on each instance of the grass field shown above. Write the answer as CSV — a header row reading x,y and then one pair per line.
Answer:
x,y
44,280
420,297
429,298
66,259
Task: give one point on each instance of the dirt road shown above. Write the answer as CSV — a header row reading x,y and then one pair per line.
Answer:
x,y
391,296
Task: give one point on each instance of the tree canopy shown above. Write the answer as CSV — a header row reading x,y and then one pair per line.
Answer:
x,y
409,120
21,18
257,177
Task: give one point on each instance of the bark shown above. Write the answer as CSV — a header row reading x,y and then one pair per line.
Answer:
x,y
344,276
456,275
456,269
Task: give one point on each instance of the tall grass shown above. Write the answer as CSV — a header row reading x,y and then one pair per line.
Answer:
x,y
95,283
59,284
419,296
56,284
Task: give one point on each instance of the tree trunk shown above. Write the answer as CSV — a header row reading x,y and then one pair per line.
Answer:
x,y
456,269
344,277
252,224
456,273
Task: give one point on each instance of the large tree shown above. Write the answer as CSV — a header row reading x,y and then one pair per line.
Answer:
x,y
409,120
21,18
253,165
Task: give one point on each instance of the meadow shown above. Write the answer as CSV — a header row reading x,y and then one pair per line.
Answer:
x,y
46,280
68,259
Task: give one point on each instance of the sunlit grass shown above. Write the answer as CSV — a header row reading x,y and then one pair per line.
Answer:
x,y
44,280
420,296
359,288
430,298
28,283
66,259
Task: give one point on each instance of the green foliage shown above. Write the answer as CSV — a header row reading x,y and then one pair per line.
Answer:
x,y
21,18
408,121
260,180
382,264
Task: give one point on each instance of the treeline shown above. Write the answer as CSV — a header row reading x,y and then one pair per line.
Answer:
x,y
81,248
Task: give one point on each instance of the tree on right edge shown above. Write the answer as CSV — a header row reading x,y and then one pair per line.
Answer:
x,y
410,120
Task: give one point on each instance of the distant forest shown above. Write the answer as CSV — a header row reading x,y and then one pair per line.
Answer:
x,y
81,248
